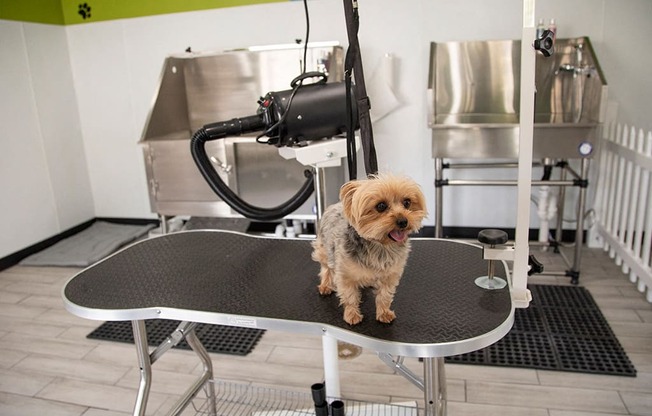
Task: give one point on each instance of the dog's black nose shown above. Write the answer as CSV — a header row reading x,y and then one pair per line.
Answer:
x,y
402,223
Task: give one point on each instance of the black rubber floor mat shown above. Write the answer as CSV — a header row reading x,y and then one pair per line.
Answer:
x,y
219,339
562,329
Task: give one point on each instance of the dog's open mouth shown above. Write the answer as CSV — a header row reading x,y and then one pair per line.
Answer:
x,y
398,235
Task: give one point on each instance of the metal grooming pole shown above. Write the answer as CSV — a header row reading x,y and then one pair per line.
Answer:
x,y
520,294
321,155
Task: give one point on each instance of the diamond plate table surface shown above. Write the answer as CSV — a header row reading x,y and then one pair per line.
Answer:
x,y
227,277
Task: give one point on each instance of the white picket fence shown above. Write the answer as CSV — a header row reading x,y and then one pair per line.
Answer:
x,y
624,201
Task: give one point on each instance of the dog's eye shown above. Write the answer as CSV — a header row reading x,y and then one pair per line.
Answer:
x,y
381,206
407,202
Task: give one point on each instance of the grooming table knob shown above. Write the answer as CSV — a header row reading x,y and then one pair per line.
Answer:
x,y
491,238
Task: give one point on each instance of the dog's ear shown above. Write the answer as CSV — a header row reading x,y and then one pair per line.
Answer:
x,y
346,196
420,199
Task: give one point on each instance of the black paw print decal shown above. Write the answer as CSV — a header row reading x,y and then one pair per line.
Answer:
x,y
84,11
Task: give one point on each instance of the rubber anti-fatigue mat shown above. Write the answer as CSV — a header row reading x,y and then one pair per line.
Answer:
x,y
219,339
562,329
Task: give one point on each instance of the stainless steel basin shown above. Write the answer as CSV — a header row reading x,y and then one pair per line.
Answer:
x,y
201,88
474,90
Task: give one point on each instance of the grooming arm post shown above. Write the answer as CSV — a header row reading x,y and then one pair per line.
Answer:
x,y
520,294
320,155
331,365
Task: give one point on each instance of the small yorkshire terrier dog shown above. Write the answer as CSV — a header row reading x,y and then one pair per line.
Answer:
x,y
362,241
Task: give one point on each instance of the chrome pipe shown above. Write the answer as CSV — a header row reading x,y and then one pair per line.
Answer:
x,y
579,230
439,198
320,195
560,206
505,182
481,165
164,224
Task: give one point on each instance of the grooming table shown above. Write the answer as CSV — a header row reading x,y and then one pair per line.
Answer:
x,y
229,278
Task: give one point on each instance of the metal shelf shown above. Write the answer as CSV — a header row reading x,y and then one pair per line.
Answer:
x,y
234,399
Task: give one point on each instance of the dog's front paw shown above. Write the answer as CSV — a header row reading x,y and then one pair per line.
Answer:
x,y
385,316
324,290
352,316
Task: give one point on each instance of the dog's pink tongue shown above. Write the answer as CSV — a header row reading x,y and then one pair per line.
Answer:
x,y
398,235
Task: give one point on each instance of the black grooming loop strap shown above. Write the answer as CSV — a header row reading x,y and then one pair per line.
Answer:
x,y
353,64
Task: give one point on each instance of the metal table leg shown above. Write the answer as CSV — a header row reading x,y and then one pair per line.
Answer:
x,y
186,330
434,386
204,380
140,339
331,366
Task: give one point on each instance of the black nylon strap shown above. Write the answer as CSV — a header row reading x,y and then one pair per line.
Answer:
x,y
352,160
353,65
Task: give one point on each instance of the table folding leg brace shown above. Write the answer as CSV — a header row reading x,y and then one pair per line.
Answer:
x,y
186,330
433,383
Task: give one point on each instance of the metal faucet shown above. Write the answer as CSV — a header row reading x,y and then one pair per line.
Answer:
x,y
578,68
579,49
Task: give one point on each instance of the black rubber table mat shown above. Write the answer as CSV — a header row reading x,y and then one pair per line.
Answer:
x,y
219,339
563,329
206,272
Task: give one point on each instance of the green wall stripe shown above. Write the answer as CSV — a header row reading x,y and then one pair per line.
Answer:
x,y
69,12
38,11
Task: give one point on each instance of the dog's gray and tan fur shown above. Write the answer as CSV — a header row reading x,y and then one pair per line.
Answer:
x,y
362,241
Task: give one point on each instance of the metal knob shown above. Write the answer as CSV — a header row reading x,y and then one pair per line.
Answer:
x,y
491,238
546,43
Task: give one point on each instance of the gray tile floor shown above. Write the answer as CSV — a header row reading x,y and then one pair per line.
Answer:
x,y
48,367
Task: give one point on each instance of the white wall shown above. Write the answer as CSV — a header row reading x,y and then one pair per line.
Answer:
x,y
628,61
43,175
115,67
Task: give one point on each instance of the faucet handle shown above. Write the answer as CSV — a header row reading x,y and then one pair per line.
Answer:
x,y
546,43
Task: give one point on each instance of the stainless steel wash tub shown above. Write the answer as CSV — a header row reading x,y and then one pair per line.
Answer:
x,y
200,88
474,90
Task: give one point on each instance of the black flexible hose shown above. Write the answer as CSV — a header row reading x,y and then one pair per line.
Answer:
x,y
198,150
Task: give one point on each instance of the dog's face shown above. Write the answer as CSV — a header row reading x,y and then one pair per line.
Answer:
x,y
385,208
